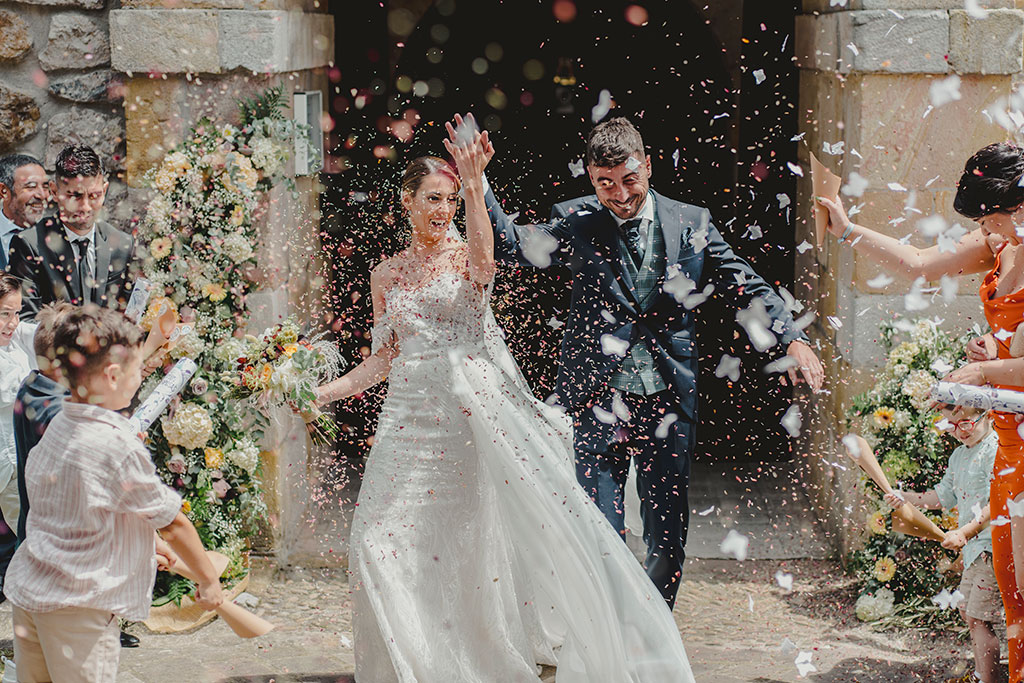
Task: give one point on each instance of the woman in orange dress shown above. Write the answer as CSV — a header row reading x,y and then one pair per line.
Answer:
x,y
990,193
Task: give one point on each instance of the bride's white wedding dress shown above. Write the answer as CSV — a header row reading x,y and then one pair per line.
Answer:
x,y
474,554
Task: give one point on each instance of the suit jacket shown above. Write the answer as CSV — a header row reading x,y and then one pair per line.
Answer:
x,y
38,402
44,260
586,236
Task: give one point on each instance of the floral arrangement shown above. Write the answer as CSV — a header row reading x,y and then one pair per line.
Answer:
x,y
201,240
899,574
280,368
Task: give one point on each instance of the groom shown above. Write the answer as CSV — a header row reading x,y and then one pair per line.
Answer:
x,y
628,371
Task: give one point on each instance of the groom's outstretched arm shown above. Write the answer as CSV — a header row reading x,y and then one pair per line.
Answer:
x,y
537,245
734,278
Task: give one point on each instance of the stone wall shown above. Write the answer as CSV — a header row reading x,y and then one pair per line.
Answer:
x,y
56,84
866,73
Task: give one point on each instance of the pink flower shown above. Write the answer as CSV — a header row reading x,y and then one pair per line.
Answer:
x,y
221,488
176,463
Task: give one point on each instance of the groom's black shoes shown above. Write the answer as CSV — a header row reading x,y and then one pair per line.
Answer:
x,y
128,640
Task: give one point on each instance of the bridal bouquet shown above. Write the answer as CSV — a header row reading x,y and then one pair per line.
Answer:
x,y
281,368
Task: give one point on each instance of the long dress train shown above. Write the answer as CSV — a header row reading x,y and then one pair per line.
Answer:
x,y
474,553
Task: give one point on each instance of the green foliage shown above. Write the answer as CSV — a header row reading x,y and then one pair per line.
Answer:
x,y
895,419
268,104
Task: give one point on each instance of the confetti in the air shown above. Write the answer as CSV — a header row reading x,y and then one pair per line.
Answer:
x,y
944,90
576,168
735,544
728,366
792,421
538,245
603,106
759,76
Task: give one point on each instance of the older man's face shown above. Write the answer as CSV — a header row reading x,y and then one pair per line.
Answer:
x,y
26,202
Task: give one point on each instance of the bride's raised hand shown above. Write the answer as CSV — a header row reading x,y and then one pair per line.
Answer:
x,y
473,158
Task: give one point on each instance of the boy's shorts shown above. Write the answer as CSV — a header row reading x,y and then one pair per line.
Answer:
x,y
980,590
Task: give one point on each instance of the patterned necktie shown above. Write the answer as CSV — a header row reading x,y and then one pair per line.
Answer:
x,y
631,233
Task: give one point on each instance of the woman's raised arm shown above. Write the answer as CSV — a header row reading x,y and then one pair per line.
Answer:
x,y
471,160
972,255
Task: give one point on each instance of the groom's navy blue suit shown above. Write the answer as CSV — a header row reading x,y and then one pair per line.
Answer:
x,y
605,302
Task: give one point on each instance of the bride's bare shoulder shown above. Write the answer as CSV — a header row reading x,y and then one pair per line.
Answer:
x,y
386,272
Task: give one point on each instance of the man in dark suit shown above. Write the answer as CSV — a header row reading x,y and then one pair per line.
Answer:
x,y
73,256
641,263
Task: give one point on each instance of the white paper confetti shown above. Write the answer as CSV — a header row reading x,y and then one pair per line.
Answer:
x,y
675,159
975,10
932,226
914,300
728,366
755,321
944,90
855,186
784,580
804,246
537,246
620,408
835,149
1002,335
882,280
948,286
783,199
803,664
632,163
1014,508
896,187
607,315
947,600
705,513
661,432
735,544
576,168
754,231
852,444
795,169
759,76
555,323
613,346
604,416
941,368
604,104
791,421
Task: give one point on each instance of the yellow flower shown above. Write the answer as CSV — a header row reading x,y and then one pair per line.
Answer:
x,y
156,306
950,520
266,372
186,506
885,569
237,215
161,247
214,458
290,349
884,416
164,180
876,523
214,291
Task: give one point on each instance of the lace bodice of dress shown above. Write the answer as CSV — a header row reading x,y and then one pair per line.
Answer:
x,y
446,312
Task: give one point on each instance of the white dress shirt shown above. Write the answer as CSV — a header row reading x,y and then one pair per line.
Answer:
x,y
17,359
96,501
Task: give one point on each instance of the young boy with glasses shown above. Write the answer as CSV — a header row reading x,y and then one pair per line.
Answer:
x,y
965,486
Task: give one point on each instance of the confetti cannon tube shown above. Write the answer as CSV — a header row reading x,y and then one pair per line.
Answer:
x,y
982,398
243,622
906,519
168,388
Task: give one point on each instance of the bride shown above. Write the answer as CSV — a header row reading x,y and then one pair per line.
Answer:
x,y
474,554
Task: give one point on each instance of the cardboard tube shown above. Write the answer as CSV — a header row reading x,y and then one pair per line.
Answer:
x,y
825,184
869,463
906,519
160,333
243,622
912,522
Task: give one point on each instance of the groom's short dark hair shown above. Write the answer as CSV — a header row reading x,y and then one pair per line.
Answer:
x,y
612,142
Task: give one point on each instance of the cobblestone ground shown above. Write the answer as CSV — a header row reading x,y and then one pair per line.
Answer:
x,y
736,622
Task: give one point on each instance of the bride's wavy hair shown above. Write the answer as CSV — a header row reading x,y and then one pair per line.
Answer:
x,y
422,167
991,182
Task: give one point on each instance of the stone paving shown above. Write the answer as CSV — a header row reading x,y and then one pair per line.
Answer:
x,y
736,622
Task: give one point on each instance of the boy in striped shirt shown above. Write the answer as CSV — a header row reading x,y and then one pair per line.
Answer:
x,y
89,555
